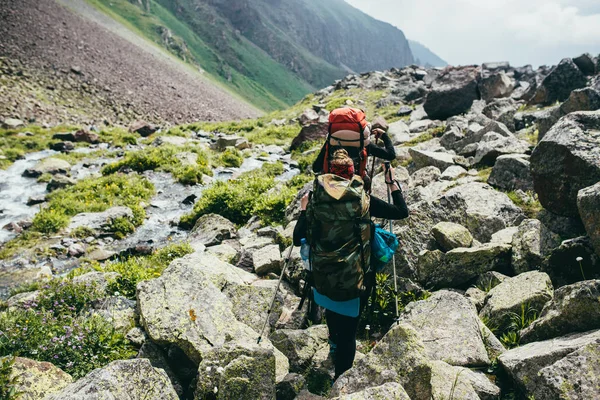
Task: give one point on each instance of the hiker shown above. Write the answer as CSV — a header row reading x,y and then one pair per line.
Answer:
x,y
339,282
346,126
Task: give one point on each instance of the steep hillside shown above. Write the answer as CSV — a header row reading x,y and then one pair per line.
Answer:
x,y
271,52
424,56
70,69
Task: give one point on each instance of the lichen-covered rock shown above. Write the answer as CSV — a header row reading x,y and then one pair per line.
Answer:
x,y
300,345
239,372
572,377
588,204
444,312
502,110
460,265
423,159
476,296
184,307
387,391
530,290
212,229
453,173
524,364
567,160
124,379
575,308
512,172
290,387
450,235
267,259
225,252
531,245
399,357
494,145
450,382
100,222
48,166
37,379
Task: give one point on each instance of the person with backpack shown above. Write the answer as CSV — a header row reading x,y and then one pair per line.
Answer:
x,y
335,221
349,129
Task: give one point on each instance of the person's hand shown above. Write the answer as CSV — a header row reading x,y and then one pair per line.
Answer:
x,y
377,132
389,175
304,202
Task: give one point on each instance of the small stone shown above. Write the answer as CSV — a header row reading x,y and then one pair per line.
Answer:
x,y
451,236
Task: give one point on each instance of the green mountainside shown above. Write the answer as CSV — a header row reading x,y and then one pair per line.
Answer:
x,y
271,52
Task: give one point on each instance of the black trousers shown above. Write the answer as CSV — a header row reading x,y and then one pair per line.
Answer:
x,y
342,332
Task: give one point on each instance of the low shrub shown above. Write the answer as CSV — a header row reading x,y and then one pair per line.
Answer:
x,y
230,158
133,270
8,384
94,195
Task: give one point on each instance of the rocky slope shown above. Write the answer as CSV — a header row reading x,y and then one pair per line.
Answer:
x,y
425,57
69,69
500,169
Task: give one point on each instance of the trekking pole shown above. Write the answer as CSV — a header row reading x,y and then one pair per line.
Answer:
x,y
389,193
372,168
285,264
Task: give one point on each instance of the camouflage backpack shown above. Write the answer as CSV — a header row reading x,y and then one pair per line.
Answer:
x,y
339,234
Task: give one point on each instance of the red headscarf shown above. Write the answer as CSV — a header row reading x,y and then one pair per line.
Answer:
x,y
341,164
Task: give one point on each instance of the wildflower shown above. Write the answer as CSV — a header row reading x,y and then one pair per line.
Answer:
x,y
579,259
220,370
216,390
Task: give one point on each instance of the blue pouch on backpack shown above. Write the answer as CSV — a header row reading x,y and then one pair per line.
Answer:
x,y
383,247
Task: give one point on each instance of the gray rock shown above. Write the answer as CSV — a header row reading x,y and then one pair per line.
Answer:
x,y
421,126
425,176
453,173
524,364
97,280
212,229
476,296
12,123
460,265
387,391
559,83
444,312
267,259
512,172
142,128
450,235
118,310
502,110
225,252
586,64
290,387
100,222
423,158
452,92
532,244
300,345
489,280
546,119
60,181
494,145
22,300
493,346
565,227
418,114
398,357
403,111
588,204
124,379
455,382
225,141
48,166
496,85
35,379
504,236
566,161
572,377
399,132
530,290
586,99
575,308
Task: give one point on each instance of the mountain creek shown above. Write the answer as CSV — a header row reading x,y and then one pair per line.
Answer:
x,y
141,262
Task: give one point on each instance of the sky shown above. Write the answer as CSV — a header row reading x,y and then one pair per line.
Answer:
x,y
462,32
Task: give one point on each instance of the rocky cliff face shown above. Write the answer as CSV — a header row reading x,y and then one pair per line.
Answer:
x,y
333,30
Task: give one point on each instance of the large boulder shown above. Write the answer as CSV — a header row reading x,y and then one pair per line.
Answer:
x,y
444,312
123,379
387,391
267,259
212,229
310,133
450,235
572,377
187,307
494,145
575,308
35,380
399,133
452,93
588,204
530,290
567,160
512,172
460,265
586,99
586,63
48,166
524,364
559,83
531,245
502,110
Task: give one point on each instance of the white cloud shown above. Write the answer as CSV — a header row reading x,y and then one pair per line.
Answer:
x,y
474,31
